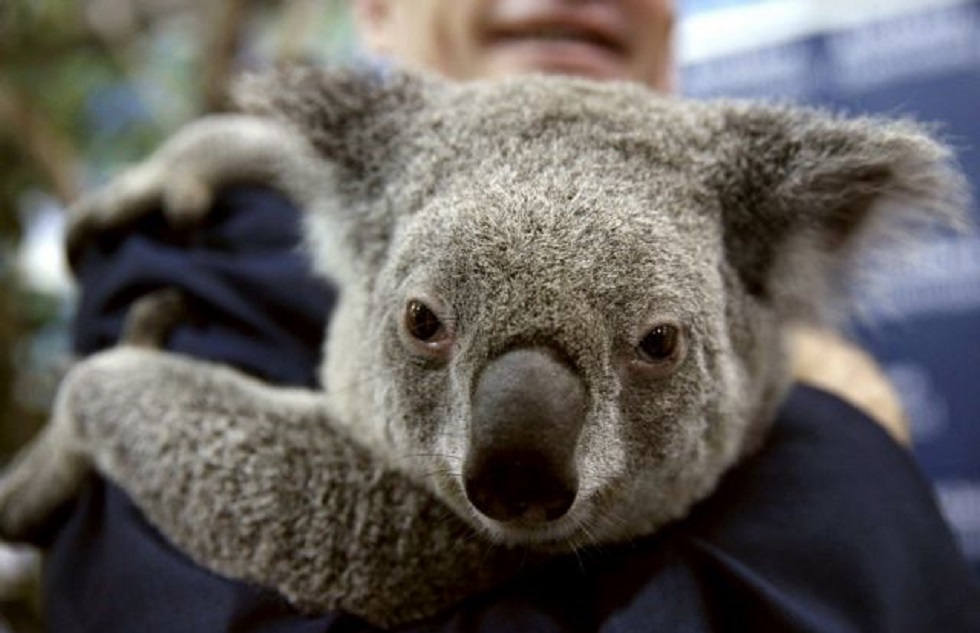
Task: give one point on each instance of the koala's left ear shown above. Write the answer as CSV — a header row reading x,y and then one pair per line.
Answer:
x,y
352,116
350,127
804,192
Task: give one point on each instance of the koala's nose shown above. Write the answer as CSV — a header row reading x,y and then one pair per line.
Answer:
x,y
515,486
528,411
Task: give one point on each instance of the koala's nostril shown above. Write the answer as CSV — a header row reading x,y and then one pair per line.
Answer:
x,y
519,487
529,408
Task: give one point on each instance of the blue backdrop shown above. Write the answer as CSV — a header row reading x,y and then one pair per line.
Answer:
x,y
924,310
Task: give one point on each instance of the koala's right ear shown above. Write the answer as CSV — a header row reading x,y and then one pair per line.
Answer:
x,y
806,194
355,120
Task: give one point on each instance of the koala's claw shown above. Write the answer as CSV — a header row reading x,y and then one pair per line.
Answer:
x,y
152,318
186,201
125,199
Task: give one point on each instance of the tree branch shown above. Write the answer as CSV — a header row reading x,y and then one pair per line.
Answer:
x,y
53,153
219,52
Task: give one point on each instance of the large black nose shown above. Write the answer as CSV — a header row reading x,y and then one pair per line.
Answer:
x,y
528,410
520,486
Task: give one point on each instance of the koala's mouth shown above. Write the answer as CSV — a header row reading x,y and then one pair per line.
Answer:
x,y
565,533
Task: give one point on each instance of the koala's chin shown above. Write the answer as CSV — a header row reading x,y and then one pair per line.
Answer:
x,y
563,534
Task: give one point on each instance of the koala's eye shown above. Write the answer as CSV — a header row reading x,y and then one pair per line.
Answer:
x,y
662,344
422,323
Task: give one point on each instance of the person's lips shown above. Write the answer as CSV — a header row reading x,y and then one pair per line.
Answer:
x,y
555,32
580,41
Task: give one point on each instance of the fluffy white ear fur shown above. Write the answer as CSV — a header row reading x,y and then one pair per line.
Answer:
x,y
356,121
352,117
808,191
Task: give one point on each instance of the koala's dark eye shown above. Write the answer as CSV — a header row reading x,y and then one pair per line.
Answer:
x,y
422,323
661,344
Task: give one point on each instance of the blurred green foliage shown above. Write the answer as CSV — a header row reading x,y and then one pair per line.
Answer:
x,y
87,86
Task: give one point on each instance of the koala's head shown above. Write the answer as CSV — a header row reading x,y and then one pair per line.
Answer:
x,y
561,301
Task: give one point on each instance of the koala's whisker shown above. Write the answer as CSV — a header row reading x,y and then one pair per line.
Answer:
x,y
469,535
461,532
449,456
613,517
466,537
573,546
437,473
591,539
425,458
489,545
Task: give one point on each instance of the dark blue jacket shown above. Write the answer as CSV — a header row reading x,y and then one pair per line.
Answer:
x,y
830,528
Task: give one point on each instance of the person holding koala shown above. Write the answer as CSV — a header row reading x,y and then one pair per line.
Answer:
x,y
827,527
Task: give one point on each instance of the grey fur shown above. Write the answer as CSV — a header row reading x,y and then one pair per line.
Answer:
x,y
255,483
223,148
532,214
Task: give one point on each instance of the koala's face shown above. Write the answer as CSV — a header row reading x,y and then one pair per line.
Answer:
x,y
558,356
561,301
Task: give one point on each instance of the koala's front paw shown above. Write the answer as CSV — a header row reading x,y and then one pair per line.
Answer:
x,y
18,511
181,178
185,199
40,481
43,476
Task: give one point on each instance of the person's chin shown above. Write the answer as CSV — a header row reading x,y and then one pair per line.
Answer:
x,y
557,58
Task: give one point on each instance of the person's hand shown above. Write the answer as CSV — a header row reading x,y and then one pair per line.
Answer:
x,y
182,176
826,360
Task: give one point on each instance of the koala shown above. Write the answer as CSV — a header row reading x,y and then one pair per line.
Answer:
x,y
561,314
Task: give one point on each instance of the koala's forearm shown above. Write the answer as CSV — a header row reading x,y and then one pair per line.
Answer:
x,y
182,176
45,475
255,483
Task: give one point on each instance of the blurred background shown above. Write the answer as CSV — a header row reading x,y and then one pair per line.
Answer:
x,y
87,86
921,306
